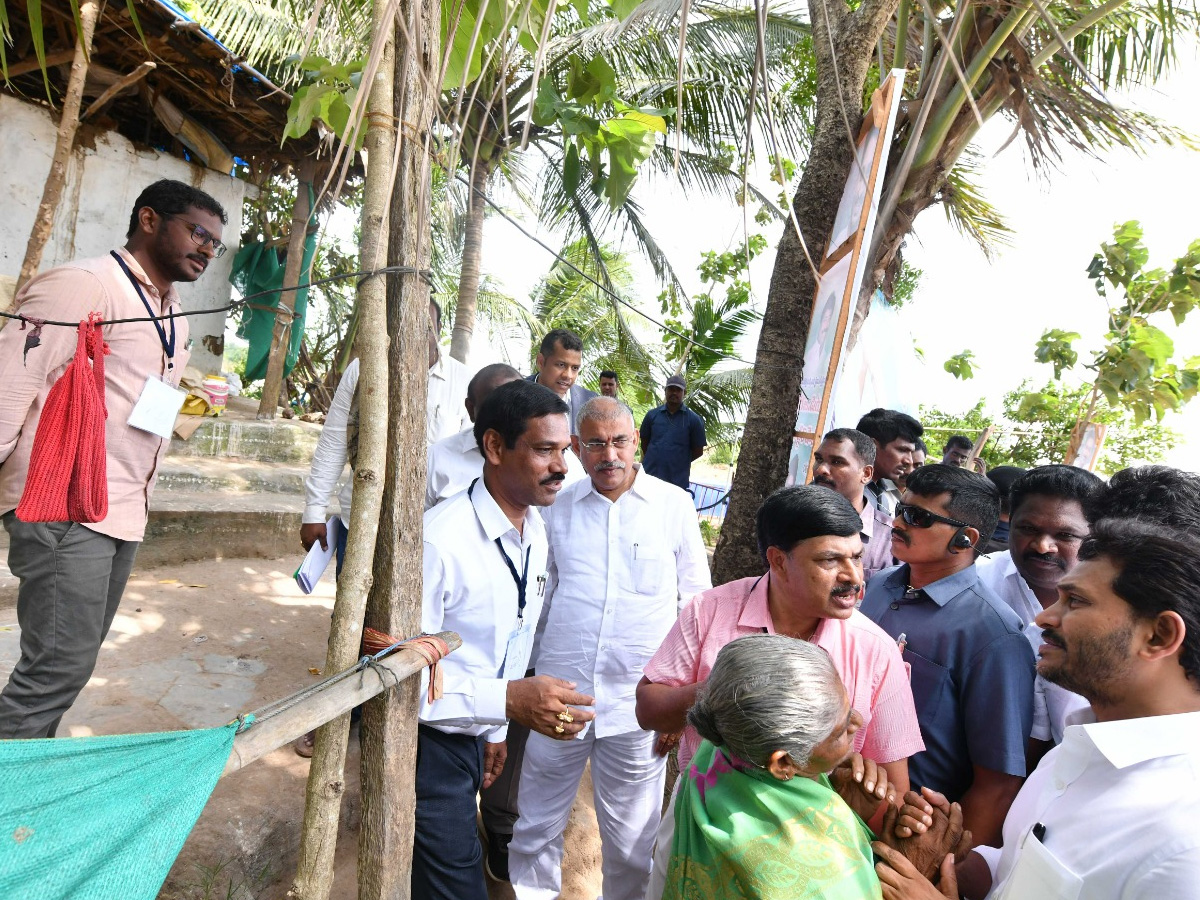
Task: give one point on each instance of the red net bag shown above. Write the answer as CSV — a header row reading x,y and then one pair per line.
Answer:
x,y
68,471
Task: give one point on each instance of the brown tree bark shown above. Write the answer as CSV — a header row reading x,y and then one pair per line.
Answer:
x,y
472,260
301,213
64,143
389,724
844,39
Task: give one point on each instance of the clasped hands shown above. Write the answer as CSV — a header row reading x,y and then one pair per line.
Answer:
x,y
549,706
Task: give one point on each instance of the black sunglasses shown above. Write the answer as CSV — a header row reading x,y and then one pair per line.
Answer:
x,y
919,517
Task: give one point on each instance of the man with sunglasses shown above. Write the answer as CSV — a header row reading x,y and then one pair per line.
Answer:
x,y
625,553
72,574
972,668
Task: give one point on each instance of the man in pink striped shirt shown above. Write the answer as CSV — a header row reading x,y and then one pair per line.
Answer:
x,y
809,537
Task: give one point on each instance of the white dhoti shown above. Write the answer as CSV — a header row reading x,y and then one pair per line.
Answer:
x,y
627,783
662,849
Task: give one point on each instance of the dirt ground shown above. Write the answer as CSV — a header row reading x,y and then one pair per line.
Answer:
x,y
194,645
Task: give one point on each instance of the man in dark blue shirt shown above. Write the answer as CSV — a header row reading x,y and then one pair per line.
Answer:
x,y
972,668
672,436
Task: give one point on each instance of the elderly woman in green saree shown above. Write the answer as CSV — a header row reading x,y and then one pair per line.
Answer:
x,y
756,815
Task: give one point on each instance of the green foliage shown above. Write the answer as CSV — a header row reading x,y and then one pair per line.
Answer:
x,y
1135,369
905,286
327,93
960,365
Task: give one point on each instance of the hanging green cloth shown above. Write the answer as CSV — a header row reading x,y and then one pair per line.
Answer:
x,y
101,818
257,268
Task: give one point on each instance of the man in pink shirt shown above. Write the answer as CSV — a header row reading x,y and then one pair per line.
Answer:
x,y
809,538
72,574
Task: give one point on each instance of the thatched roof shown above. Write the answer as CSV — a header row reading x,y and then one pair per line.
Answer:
x,y
195,81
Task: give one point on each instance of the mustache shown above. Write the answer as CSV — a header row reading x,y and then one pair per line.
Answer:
x,y
822,480
553,479
844,589
1051,636
610,464
902,535
1047,558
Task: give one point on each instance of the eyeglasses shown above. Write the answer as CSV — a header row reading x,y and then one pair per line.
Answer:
x,y
919,517
201,236
617,443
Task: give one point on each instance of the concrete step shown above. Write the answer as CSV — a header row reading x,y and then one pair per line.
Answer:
x,y
220,475
280,441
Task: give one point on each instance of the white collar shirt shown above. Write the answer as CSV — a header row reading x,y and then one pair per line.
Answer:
x,y
469,589
445,409
1115,806
618,574
453,463
999,572
1052,703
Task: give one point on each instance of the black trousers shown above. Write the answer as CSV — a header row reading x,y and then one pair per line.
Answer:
x,y
447,858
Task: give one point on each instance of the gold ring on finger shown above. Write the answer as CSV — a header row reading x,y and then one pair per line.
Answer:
x,y
565,716
558,729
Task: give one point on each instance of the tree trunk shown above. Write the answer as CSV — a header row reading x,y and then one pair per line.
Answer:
x,y
775,394
389,724
472,257
326,776
301,213
64,143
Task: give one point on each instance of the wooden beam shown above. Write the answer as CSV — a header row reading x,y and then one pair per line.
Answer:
x,y
57,58
340,697
116,87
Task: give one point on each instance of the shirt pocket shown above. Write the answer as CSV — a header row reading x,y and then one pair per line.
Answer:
x,y
647,568
931,687
1039,873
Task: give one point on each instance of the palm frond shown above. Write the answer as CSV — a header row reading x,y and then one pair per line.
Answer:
x,y
969,211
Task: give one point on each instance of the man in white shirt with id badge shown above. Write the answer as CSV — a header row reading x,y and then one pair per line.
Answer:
x,y
1109,814
484,567
72,574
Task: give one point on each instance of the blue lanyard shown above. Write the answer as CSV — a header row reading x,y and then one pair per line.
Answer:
x,y
167,345
522,580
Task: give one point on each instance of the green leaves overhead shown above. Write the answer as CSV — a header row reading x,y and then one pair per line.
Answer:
x,y
328,94
1055,347
961,365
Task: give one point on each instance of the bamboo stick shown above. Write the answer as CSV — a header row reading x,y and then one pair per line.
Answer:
x,y
333,701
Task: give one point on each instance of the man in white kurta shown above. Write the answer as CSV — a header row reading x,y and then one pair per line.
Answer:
x,y
625,552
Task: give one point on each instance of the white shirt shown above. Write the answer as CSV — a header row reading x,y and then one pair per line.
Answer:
x,y
445,409
469,589
455,462
329,458
1051,703
619,572
999,572
1118,802
444,416
884,495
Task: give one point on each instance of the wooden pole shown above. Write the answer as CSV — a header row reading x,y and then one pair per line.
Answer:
x,y
389,725
64,143
119,85
281,729
980,443
326,778
301,213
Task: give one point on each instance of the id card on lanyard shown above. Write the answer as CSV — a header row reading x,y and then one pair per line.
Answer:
x,y
160,401
520,640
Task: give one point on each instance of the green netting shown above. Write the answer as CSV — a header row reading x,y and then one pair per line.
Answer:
x,y
257,268
102,818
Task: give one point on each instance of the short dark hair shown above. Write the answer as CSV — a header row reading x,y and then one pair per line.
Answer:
x,y
437,312
885,425
803,511
174,198
1003,477
508,409
959,440
921,447
864,447
973,499
569,340
1161,494
1159,571
1063,482
609,373
488,374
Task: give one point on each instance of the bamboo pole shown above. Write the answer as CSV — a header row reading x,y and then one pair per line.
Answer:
x,y
326,777
301,214
389,726
131,78
64,143
281,729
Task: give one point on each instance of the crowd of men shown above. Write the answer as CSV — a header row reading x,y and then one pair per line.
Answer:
x,y
1048,687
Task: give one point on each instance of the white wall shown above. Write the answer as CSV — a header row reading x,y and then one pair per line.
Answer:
x,y
104,178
